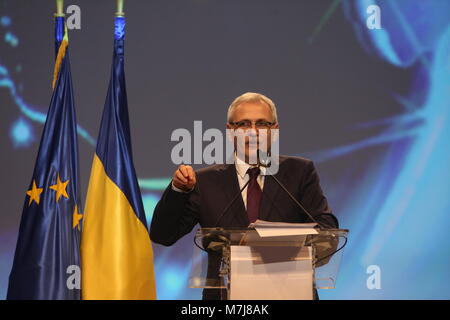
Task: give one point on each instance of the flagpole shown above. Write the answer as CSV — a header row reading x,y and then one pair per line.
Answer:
x,y
120,12
59,8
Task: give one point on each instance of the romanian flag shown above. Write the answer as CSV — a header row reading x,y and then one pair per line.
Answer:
x,y
47,259
116,252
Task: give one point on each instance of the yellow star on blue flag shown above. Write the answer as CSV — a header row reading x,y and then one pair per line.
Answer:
x,y
60,188
34,193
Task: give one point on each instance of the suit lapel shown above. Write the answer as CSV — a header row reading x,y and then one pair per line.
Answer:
x,y
236,215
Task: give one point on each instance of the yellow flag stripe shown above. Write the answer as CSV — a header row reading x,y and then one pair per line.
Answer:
x,y
116,252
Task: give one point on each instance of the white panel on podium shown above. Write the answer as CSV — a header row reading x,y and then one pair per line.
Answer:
x,y
271,273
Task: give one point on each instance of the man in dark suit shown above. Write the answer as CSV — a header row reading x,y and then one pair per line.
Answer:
x,y
201,197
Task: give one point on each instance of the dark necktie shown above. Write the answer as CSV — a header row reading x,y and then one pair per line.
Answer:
x,y
254,194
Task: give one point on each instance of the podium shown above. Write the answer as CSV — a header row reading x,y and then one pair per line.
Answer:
x,y
242,265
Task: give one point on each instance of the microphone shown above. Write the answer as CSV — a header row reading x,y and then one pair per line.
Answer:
x,y
265,161
231,203
214,240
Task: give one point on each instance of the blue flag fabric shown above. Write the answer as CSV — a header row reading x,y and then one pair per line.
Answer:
x,y
47,259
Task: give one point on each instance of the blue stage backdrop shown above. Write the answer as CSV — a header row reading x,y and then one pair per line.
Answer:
x,y
362,88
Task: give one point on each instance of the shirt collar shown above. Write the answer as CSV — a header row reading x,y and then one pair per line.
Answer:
x,y
242,167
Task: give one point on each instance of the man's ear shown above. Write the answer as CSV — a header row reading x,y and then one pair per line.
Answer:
x,y
228,126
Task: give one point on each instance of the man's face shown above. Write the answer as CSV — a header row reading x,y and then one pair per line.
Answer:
x,y
257,114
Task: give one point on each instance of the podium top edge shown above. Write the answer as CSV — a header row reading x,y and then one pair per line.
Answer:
x,y
241,229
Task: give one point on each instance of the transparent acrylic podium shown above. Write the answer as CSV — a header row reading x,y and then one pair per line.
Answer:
x,y
244,265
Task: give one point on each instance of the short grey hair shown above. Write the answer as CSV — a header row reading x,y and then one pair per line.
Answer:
x,y
252,97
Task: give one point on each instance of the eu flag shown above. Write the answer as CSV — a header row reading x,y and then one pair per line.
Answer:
x,y
47,260
116,251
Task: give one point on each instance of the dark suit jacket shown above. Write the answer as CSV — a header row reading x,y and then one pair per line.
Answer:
x,y
177,213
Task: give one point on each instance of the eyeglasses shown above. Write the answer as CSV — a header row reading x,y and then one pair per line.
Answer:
x,y
247,124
